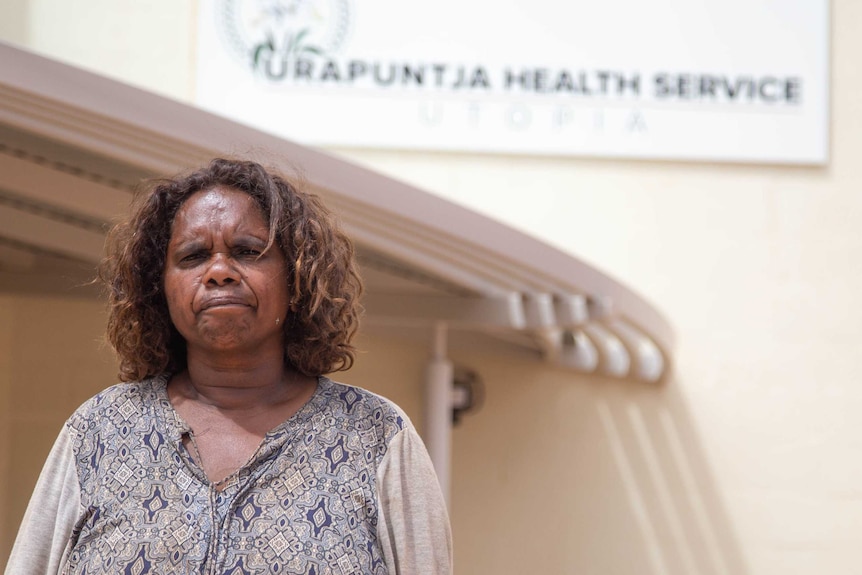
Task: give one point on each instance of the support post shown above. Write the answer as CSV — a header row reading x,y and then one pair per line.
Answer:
x,y
439,379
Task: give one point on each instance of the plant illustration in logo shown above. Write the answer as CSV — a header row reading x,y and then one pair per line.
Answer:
x,y
291,29
269,33
294,45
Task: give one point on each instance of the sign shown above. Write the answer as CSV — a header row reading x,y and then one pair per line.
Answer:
x,y
724,80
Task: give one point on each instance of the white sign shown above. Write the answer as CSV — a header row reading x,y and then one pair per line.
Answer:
x,y
727,80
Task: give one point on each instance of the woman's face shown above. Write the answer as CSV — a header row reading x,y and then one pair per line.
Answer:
x,y
222,294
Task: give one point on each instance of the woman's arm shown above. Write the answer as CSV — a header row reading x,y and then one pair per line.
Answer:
x,y
45,536
413,525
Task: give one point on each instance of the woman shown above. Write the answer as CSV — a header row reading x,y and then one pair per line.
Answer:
x,y
226,450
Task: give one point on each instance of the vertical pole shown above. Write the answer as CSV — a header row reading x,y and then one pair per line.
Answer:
x,y
439,377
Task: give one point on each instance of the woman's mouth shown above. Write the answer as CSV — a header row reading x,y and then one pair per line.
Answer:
x,y
223,301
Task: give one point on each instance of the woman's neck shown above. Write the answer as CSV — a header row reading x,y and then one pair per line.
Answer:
x,y
239,384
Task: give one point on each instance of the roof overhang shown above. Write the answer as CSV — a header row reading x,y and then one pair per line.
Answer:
x,y
73,146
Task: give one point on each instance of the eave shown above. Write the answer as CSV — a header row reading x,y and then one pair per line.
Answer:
x,y
73,146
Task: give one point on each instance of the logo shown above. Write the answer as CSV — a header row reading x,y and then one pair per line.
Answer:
x,y
259,32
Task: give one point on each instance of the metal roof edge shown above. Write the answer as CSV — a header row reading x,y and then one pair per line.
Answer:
x,y
150,131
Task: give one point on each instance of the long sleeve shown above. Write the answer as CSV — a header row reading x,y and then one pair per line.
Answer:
x,y
45,536
413,526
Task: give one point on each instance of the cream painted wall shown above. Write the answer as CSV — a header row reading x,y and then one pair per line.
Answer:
x,y
753,266
747,461
146,44
52,358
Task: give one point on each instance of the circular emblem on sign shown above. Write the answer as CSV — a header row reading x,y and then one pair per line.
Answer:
x,y
257,29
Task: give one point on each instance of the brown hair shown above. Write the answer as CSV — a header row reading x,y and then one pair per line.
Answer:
x,y
322,277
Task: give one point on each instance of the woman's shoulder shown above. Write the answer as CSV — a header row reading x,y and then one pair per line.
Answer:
x,y
125,399
364,407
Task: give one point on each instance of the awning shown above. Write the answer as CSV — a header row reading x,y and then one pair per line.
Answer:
x,y
73,145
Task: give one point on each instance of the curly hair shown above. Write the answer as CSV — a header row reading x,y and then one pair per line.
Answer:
x,y
322,277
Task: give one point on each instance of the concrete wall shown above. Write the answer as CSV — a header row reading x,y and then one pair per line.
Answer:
x,y
747,461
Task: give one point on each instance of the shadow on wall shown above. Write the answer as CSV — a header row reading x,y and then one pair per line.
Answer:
x,y
567,474
668,486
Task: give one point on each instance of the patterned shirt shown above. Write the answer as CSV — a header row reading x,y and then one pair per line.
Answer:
x,y
343,486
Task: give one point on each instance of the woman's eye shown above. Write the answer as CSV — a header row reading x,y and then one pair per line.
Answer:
x,y
190,258
251,252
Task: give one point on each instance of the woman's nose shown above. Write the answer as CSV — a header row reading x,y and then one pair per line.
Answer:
x,y
221,271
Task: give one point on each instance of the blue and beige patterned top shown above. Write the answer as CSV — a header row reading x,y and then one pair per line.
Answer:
x,y
344,486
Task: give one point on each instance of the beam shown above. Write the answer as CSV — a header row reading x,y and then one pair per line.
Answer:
x,y
16,259
61,190
413,309
50,235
